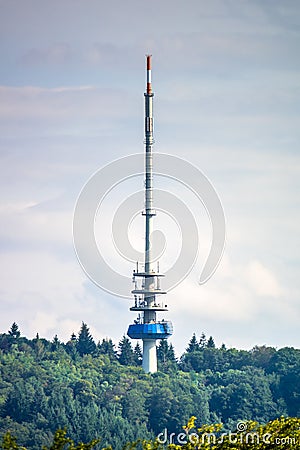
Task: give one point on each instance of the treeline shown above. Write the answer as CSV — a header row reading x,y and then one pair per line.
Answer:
x,y
279,433
100,390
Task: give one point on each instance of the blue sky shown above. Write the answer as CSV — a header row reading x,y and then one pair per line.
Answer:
x,y
227,87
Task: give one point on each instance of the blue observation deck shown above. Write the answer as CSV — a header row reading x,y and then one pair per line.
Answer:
x,y
157,330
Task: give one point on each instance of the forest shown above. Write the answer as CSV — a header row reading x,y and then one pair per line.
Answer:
x,y
99,390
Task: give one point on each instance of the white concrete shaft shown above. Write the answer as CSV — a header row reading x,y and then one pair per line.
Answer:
x,y
149,356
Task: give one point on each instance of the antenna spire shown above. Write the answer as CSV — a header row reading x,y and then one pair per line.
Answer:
x,y
147,281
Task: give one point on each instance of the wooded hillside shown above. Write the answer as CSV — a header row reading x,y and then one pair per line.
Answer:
x,y
100,390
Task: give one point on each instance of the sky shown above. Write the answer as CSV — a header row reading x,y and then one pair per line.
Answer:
x,y
226,77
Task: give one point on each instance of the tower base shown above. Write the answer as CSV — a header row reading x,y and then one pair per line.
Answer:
x,y
149,356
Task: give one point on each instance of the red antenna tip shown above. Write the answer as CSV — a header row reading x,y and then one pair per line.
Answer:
x,y
149,87
149,62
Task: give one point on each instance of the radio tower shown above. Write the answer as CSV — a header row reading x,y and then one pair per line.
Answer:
x,y
147,280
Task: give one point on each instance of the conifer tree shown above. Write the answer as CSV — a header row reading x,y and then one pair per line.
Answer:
x,y
55,343
71,346
39,347
210,343
193,345
126,354
166,355
203,341
171,354
138,355
162,351
85,343
73,338
107,347
14,331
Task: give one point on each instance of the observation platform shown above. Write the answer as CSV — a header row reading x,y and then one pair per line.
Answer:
x,y
156,330
149,308
148,292
147,275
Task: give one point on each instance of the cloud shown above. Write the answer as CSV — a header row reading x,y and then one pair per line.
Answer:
x,y
35,111
240,303
109,55
262,280
48,295
31,226
55,54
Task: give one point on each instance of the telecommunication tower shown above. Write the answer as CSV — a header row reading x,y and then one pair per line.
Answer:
x,y
146,278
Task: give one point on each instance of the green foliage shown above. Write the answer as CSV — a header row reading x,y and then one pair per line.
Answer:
x,y
71,346
9,442
138,355
281,433
202,341
85,344
60,442
14,331
94,392
107,348
166,356
126,353
210,343
193,345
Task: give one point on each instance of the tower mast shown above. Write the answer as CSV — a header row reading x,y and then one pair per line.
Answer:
x,y
147,281
149,213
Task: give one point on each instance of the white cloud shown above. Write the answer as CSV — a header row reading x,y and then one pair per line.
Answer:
x,y
61,102
59,53
239,305
262,280
31,224
47,295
